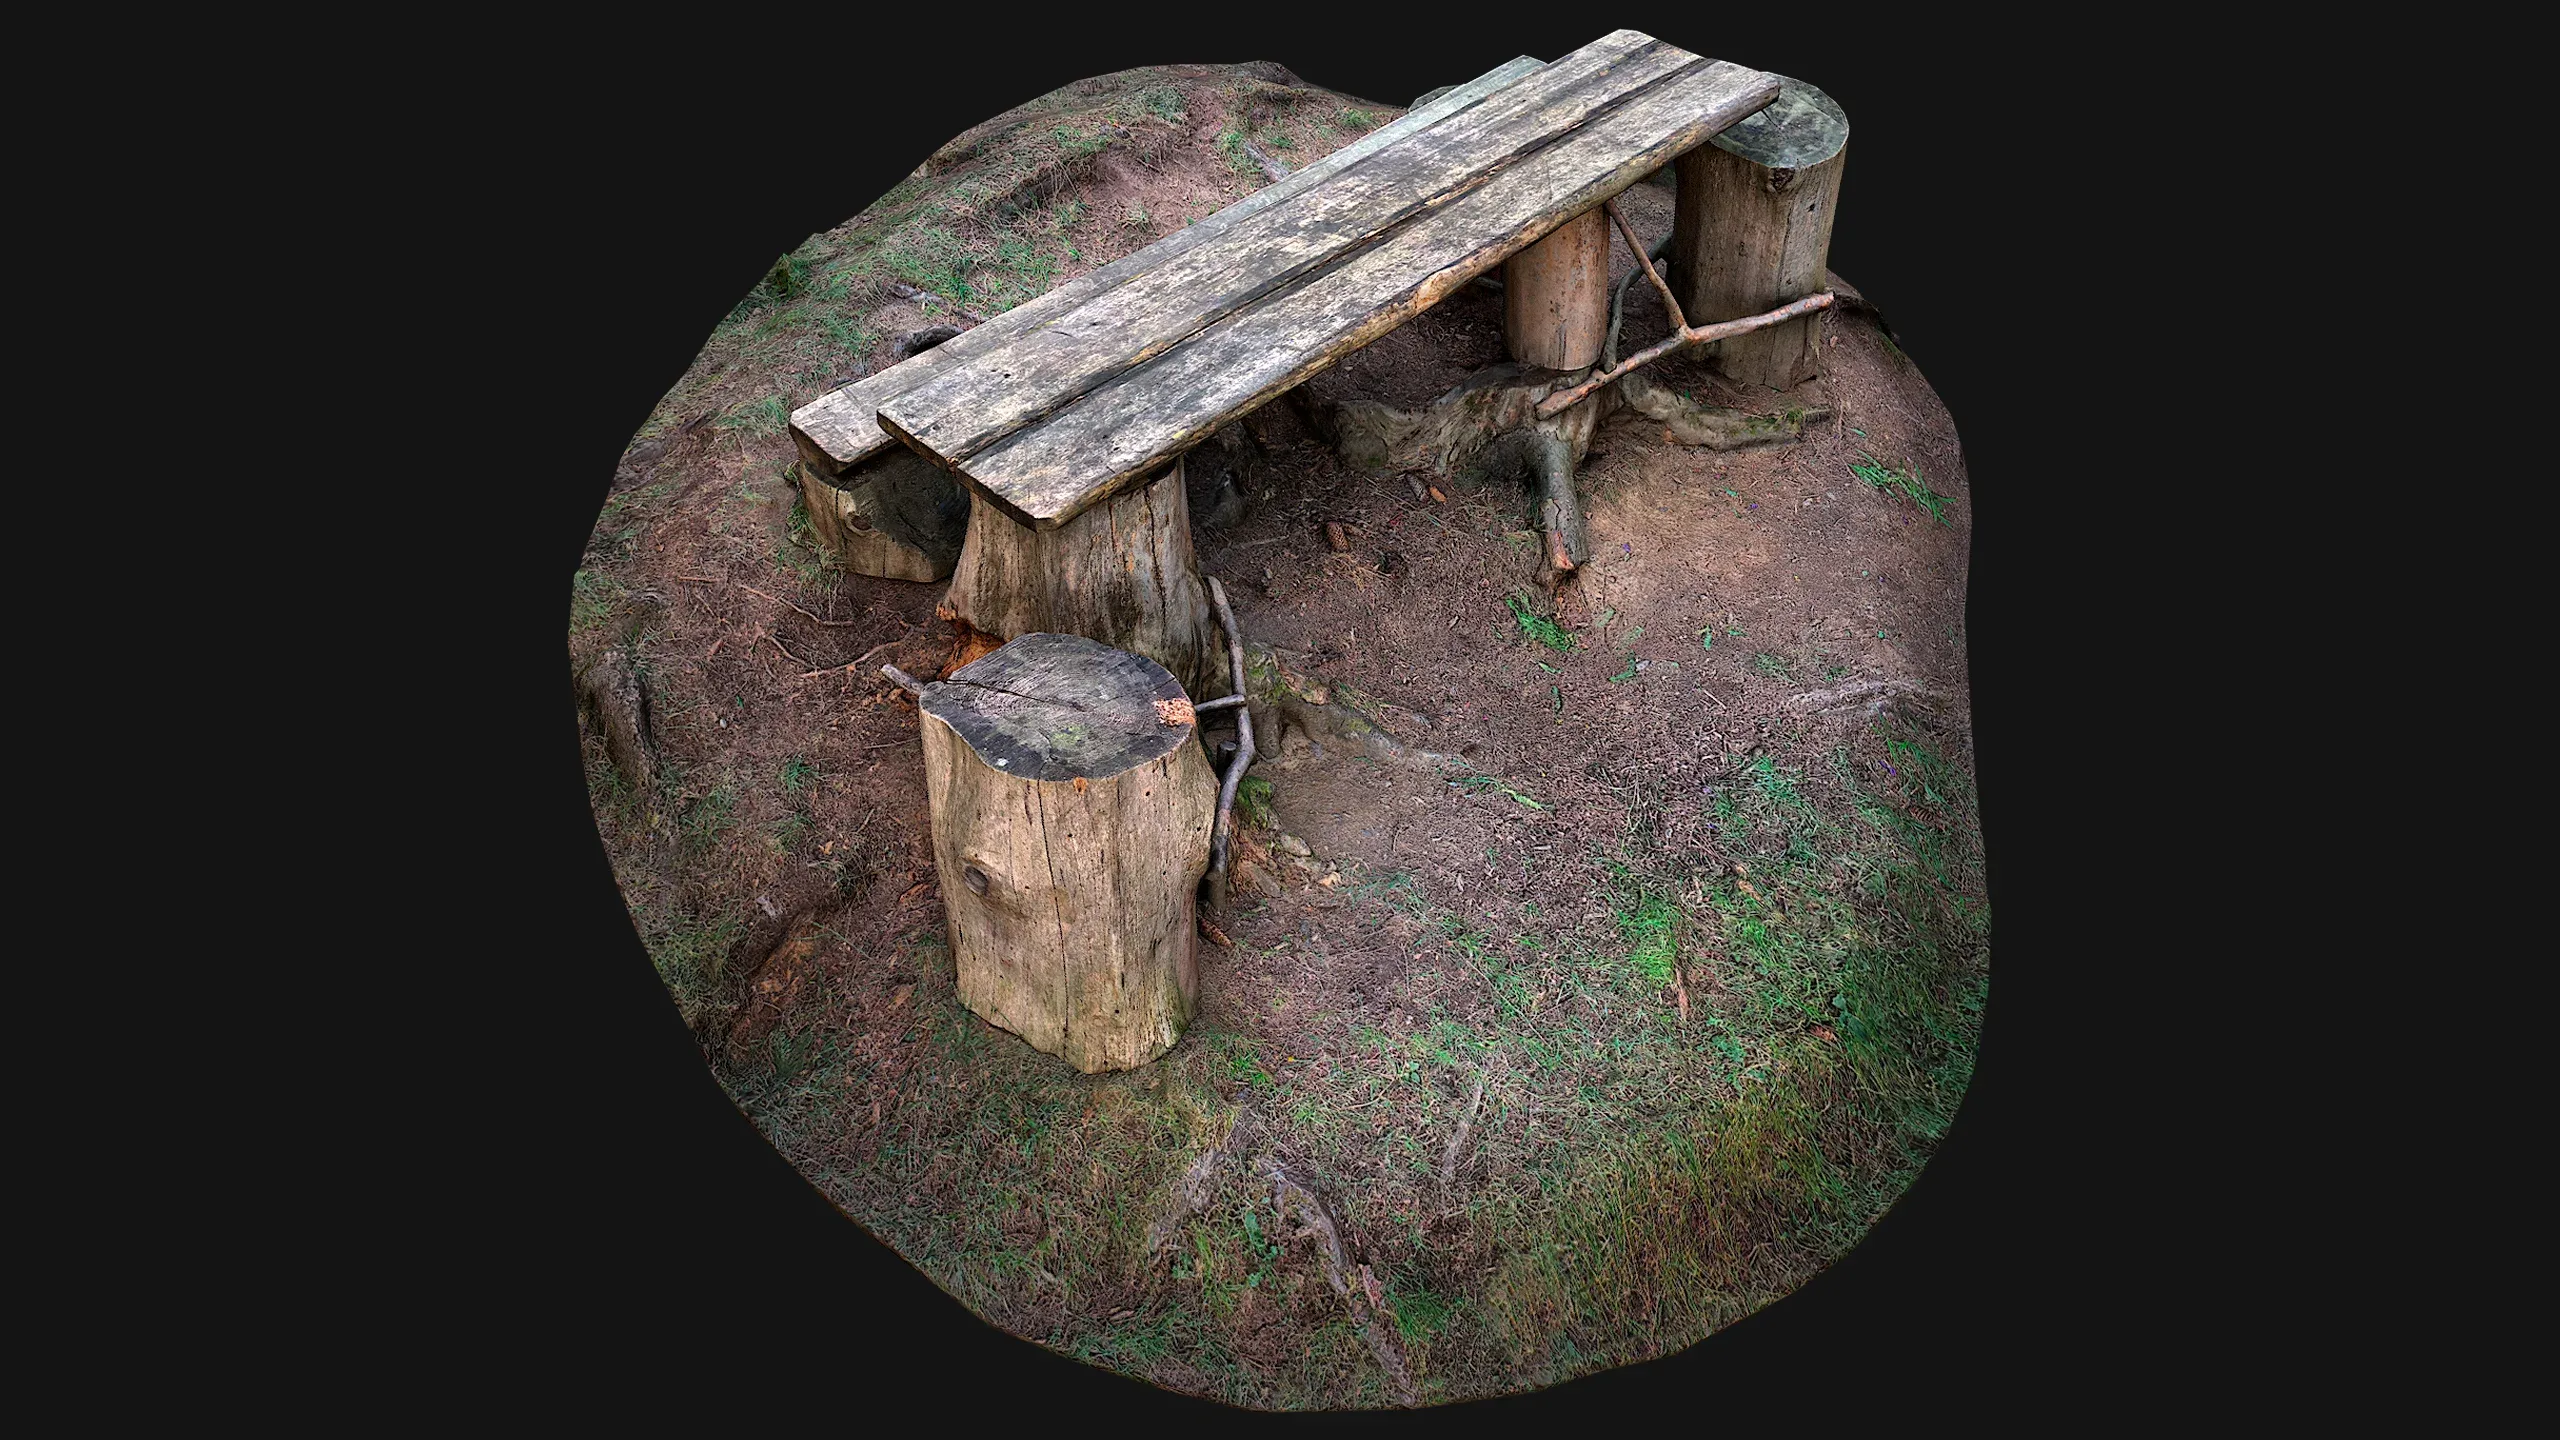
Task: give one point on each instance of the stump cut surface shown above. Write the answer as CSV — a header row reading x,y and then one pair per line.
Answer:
x,y
1061,707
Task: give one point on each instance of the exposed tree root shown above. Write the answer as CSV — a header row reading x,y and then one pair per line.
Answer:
x,y
1715,427
1333,714
1363,1299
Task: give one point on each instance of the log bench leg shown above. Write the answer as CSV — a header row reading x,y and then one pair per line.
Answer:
x,y
1555,295
897,516
1122,573
1752,231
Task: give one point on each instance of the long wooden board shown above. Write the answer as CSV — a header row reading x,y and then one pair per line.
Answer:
x,y
965,409
1046,473
837,430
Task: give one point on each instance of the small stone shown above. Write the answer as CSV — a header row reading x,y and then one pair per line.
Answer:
x,y
1294,845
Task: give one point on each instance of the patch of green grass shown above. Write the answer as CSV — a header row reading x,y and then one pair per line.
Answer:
x,y
1771,666
1905,481
846,335
1253,801
1538,627
689,955
1651,931
593,598
707,817
1231,145
764,415
929,257
796,774
1164,102
1350,119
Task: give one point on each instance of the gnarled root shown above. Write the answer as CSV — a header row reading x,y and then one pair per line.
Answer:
x,y
1327,713
1714,426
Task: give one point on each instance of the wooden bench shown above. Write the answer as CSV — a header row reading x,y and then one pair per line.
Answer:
x,y
1065,420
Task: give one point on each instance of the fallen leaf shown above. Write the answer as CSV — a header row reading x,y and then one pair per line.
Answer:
x,y
915,891
1436,495
1824,1031
898,997
1213,932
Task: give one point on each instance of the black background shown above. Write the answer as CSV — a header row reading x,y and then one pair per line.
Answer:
x,y
640,1239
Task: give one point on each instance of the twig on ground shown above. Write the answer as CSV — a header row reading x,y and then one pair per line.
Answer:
x,y
698,579
778,600
785,649
851,665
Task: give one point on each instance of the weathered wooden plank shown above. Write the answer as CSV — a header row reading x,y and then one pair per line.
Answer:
x,y
1047,473
838,429
962,411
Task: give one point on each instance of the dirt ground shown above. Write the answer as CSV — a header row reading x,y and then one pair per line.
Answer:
x,y
1590,1053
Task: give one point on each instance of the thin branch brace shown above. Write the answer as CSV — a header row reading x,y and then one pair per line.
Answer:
x,y
1224,826
1682,332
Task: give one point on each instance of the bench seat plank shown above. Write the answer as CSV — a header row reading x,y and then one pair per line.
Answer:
x,y
964,409
838,430
1046,473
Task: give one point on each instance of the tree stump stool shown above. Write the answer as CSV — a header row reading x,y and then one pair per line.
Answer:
x,y
897,516
1071,818
1121,572
1555,295
1752,231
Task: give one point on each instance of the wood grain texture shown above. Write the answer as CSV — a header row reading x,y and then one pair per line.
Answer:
x,y
1555,296
1122,573
962,411
839,428
1069,890
897,516
1045,474
1751,231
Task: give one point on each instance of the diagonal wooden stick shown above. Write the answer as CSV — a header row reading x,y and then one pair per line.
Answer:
x,y
1678,320
1686,335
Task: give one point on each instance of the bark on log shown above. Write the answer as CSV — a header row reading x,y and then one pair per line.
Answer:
x,y
1555,295
1122,573
1752,227
1071,819
897,515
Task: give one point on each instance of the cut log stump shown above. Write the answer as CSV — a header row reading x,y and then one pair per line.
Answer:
x,y
1555,295
898,515
1122,572
1752,228
1071,816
